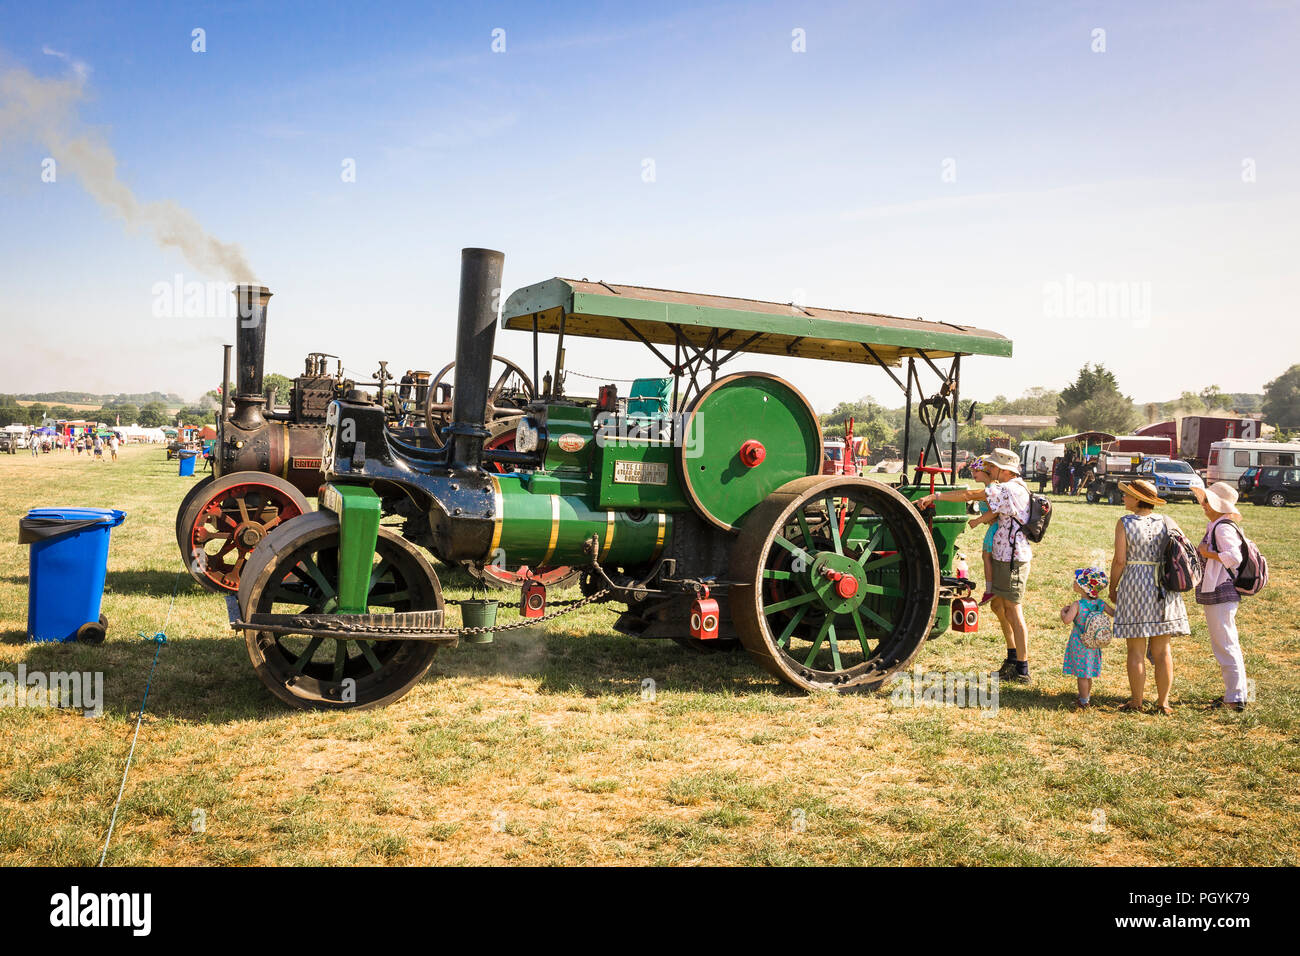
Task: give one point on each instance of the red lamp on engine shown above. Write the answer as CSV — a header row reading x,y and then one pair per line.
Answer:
x,y
532,598
704,617
965,615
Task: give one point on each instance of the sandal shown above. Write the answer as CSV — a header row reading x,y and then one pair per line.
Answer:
x,y
1166,710
1127,707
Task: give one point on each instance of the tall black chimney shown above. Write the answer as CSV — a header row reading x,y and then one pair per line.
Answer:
x,y
480,287
250,354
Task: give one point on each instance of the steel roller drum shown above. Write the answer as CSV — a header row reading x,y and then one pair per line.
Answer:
x,y
746,435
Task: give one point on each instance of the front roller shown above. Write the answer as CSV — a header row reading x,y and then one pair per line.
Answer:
x,y
837,583
295,570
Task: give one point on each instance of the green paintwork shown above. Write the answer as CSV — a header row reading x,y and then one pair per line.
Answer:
x,y
359,512
594,310
549,529
732,411
651,462
567,425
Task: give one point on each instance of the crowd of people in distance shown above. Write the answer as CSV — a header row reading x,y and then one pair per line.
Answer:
x,y
1146,615
95,447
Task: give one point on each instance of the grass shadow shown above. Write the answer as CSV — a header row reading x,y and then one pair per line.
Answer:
x,y
154,582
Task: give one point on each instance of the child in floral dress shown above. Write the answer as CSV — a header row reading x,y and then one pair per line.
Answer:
x,y
1081,661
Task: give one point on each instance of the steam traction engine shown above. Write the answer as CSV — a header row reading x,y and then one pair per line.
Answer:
x,y
705,519
267,460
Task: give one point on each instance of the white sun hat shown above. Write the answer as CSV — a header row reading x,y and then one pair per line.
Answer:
x,y
1221,496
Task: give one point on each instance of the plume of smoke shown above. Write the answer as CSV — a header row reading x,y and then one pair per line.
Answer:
x,y
46,111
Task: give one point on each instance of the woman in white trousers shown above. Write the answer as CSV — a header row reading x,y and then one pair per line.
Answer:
x,y
1222,550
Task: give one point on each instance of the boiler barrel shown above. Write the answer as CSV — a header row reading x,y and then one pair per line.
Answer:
x,y
547,530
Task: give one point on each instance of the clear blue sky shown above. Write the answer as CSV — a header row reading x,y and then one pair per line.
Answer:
x,y
778,174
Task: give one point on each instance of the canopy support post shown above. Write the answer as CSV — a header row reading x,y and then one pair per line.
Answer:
x,y
955,375
907,417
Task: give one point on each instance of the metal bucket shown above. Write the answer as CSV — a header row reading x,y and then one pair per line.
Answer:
x,y
477,612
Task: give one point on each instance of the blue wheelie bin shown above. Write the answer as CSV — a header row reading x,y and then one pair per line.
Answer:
x,y
187,463
65,572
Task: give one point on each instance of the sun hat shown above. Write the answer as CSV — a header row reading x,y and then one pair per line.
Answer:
x,y
1142,490
1221,496
1092,580
1004,458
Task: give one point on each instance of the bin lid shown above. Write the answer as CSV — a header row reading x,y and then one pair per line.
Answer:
x,y
41,524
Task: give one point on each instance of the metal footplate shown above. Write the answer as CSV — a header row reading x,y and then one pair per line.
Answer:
x,y
406,626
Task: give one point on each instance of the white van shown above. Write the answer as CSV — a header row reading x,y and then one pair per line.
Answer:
x,y
1031,451
1230,457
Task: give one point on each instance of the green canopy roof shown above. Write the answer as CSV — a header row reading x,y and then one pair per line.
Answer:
x,y
635,313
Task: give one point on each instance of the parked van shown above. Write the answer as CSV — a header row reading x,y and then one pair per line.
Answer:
x,y
1031,451
1232,456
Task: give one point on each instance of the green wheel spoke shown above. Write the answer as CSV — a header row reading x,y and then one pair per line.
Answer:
x,y
832,518
313,572
882,590
817,643
340,659
301,661
862,636
803,526
384,599
872,543
283,595
382,568
875,618
835,645
789,628
788,603
369,654
853,520
887,561
778,575
793,548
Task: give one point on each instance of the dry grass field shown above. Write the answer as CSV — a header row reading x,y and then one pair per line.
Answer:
x,y
539,748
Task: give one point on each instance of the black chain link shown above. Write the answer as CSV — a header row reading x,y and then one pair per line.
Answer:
x,y
524,622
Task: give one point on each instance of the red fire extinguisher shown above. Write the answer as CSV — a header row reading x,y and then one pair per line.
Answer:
x,y
704,617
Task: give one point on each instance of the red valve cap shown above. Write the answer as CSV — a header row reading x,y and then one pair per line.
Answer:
x,y
846,586
752,453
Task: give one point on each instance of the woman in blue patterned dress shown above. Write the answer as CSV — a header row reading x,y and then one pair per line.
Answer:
x,y
1146,615
1081,661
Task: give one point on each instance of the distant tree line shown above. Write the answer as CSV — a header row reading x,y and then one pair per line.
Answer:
x,y
1093,402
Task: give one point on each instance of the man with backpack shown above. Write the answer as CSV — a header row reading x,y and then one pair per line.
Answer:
x,y
1009,498
1233,566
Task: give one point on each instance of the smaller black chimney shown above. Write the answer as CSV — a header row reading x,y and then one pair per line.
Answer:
x,y
250,354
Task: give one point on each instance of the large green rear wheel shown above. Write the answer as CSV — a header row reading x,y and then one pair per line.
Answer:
x,y
837,583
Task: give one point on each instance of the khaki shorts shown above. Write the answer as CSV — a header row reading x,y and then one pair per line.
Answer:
x,y
1009,580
